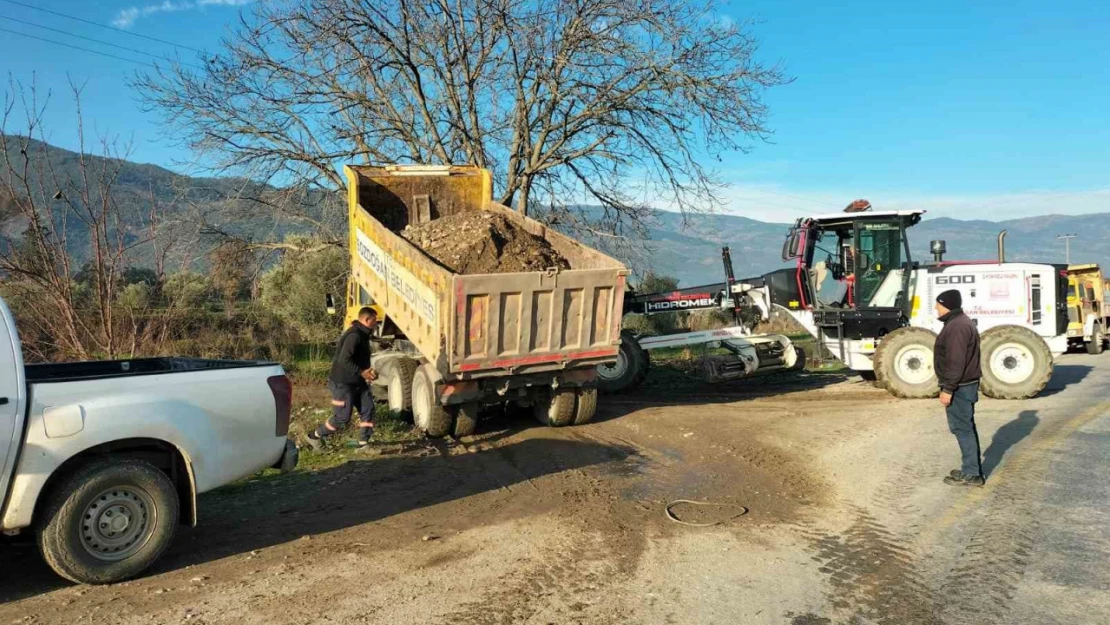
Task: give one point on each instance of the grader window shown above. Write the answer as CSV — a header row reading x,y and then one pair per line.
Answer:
x,y
878,252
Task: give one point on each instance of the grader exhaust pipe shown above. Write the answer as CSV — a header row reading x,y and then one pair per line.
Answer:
x,y
1002,246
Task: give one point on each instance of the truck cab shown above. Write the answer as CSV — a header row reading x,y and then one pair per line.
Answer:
x,y
1088,315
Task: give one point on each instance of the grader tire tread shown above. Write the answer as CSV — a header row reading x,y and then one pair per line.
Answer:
x,y
1014,334
886,351
639,362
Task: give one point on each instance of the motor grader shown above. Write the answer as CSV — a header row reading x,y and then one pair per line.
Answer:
x,y
854,285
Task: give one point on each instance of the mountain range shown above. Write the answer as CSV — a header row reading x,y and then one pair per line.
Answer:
x,y
693,253
688,249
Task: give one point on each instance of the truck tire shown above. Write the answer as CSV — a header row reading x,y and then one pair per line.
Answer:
x,y
1094,347
904,363
1016,363
556,408
399,373
108,521
585,406
465,419
430,417
628,371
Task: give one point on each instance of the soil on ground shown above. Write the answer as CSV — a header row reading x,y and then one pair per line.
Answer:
x,y
480,242
847,522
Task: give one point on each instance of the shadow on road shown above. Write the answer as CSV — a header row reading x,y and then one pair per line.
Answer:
x,y
667,385
274,510
1006,437
1064,376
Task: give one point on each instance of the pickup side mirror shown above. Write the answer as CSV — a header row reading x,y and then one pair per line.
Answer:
x,y
329,302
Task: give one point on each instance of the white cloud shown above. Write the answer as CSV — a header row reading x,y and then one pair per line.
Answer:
x,y
779,204
127,17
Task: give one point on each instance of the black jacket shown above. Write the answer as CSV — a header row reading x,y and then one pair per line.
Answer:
x,y
352,355
956,354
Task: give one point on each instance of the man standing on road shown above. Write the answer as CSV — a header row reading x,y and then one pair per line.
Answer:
x,y
956,362
349,382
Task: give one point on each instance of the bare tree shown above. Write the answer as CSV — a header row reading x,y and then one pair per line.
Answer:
x,y
67,244
569,102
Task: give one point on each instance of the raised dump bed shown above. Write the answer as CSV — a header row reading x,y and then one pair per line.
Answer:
x,y
534,338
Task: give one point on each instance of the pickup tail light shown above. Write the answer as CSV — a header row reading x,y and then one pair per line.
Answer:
x,y
282,388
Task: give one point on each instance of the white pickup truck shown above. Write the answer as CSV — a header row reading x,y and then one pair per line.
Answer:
x,y
104,459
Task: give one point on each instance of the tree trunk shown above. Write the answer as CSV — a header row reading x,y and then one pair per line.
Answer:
x,y
522,199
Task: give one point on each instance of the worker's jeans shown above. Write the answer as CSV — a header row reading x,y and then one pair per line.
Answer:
x,y
961,422
345,399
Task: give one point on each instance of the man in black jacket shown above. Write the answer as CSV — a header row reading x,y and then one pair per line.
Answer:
x,y
349,382
956,362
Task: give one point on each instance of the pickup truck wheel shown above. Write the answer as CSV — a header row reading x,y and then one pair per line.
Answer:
x,y
108,521
426,414
465,419
586,406
557,408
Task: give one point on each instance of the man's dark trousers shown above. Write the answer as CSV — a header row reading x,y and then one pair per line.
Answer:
x,y
961,422
346,399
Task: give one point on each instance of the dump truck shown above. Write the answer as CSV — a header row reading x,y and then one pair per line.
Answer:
x,y
1088,315
450,344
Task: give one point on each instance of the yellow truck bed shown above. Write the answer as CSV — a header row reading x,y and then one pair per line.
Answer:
x,y
477,326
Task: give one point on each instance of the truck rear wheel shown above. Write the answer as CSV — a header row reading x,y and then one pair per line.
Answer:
x,y
108,521
557,408
629,370
904,363
426,414
399,373
465,419
1016,363
1094,347
586,406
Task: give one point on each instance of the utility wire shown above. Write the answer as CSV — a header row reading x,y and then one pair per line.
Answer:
x,y
90,50
99,25
103,43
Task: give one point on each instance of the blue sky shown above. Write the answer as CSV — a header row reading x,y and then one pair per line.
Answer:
x,y
975,110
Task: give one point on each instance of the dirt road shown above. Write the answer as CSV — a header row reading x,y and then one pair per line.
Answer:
x,y
848,521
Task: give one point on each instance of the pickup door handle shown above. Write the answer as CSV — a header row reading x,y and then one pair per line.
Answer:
x,y
3,401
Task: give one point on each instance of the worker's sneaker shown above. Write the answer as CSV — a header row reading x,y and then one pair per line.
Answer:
x,y
955,473
315,442
964,480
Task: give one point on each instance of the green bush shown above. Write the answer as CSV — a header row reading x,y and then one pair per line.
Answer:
x,y
295,288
